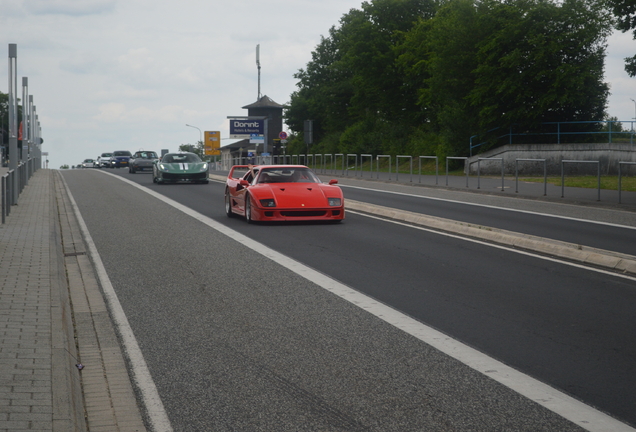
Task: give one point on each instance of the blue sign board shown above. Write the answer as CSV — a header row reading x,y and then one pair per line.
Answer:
x,y
245,128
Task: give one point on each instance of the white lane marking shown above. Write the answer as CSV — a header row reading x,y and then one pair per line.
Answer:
x,y
493,206
149,394
566,406
498,246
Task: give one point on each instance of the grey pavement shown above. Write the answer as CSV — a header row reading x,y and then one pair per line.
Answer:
x,y
61,366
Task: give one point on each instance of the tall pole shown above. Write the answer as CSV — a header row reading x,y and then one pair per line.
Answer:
x,y
633,131
200,133
32,148
258,65
34,111
13,117
25,119
38,135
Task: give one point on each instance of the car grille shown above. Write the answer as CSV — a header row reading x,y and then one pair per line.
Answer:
x,y
197,176
303,213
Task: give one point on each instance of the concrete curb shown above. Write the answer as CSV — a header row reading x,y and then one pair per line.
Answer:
x,y
568,251
67,397
106,388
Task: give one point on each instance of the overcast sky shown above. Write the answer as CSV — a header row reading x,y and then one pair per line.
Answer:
x,y
130,74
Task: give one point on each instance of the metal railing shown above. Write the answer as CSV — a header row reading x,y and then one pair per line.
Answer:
x,y
620,179
397,164
338,164
436,167
479,170
545,173
13,183
598,175
456,158
558,132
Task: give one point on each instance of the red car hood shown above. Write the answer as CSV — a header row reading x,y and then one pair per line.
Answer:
x,y
298,195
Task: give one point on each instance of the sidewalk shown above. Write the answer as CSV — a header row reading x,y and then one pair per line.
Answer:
x,y
61,367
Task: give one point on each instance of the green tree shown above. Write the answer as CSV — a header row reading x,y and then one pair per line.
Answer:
x,y
196,149
625,13
353,84
4,117
404,75
324,91
438,57
540,61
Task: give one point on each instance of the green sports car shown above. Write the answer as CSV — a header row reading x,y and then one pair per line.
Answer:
x,y
182,167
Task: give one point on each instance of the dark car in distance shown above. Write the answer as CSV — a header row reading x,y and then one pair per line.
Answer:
x,y
142,161
120,158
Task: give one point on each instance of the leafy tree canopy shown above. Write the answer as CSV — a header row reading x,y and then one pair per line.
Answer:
x,y
625,13
400,75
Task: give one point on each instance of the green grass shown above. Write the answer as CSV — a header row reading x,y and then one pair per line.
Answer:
x,y
590,182
628,183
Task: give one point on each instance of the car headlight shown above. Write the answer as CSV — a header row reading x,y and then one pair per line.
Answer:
x,y
268,202
161,167
335,202
204,167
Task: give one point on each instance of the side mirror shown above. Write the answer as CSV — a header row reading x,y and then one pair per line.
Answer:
x,y
244,182
333,182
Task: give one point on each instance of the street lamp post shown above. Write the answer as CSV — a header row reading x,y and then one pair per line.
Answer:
x,y
13,118
200,133
25,121
633,131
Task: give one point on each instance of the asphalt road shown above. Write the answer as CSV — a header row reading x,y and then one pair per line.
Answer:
x,y
236,342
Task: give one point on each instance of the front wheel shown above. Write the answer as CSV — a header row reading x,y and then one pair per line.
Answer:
x,y
248,209
228,204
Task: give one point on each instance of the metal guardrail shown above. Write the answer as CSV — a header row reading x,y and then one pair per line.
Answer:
x,y
545,173
620,178
397,164
456,158
598,175
436,167
555,132
7,188
335,163
13,183
377,158
479,170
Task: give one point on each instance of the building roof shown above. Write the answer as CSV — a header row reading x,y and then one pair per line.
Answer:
x,y
244,143
264,102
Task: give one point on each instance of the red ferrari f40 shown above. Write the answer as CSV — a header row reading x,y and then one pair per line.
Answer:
x,y
281,193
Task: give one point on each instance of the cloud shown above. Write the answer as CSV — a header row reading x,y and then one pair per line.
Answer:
x,y
116,112
80,63
111,112
69,7
136,59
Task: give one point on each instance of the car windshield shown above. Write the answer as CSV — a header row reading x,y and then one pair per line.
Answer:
x,y
181,158
107,154
147,155
287,175
122,153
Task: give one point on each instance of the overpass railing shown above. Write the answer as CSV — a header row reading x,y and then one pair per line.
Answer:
x,y
389,168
